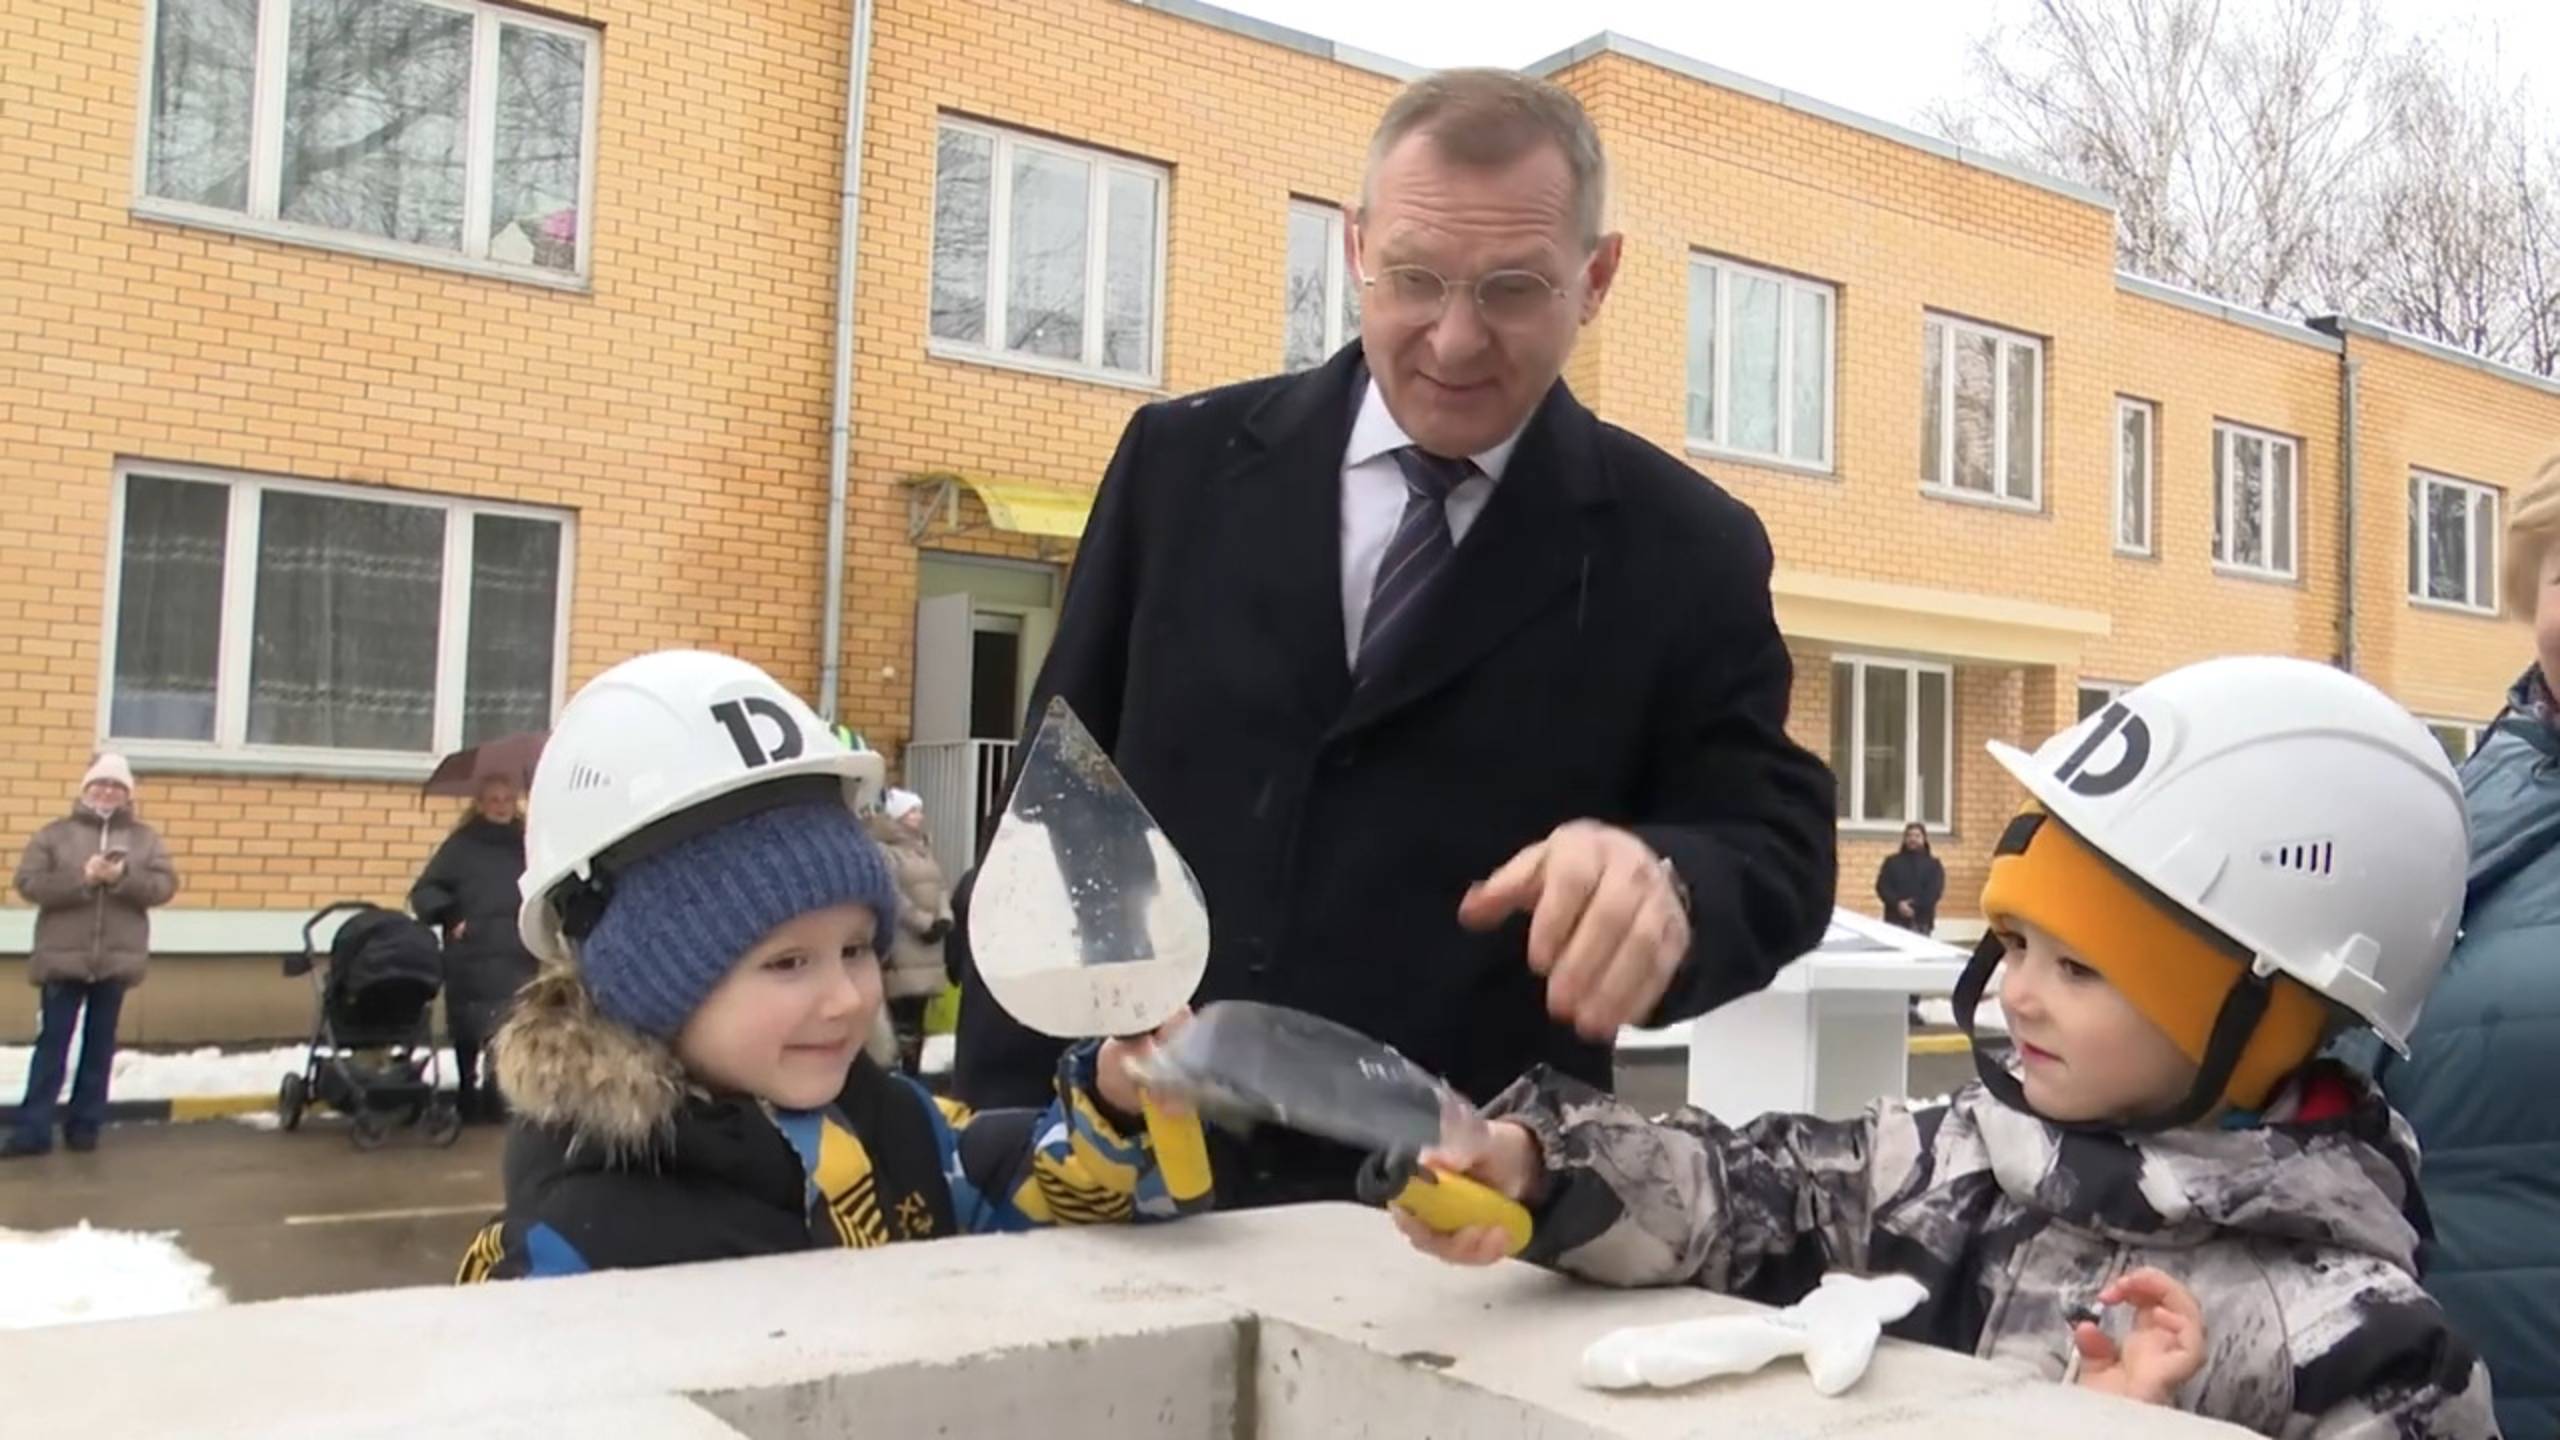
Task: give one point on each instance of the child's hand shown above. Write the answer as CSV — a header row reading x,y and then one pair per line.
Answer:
x,y
1115,1069
2165,1350
1510,1164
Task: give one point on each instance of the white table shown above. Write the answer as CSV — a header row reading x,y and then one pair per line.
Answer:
x,y
1831,1033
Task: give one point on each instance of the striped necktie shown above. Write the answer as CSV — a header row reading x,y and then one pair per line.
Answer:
x,y
1417,556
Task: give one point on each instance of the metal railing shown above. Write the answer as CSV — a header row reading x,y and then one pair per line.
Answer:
x,y
962,785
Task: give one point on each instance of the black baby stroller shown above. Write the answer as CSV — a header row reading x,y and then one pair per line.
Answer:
x,y
373,1052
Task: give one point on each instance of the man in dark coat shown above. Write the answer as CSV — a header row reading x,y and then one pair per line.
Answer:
x,y
469,892
1410,649
1910,882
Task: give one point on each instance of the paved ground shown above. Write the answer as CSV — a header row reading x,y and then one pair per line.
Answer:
x,y
273,1214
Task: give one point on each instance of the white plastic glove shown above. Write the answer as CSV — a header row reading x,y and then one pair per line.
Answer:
x,y
1835,1329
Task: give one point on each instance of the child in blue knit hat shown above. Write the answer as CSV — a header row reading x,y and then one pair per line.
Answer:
x,y
688,1072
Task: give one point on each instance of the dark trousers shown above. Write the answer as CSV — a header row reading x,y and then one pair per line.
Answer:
x,y
63,1004
906,1021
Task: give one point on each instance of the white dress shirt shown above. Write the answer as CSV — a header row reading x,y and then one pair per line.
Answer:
x,y
1373,500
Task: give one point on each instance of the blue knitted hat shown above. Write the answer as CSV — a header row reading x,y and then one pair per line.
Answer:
x,y
678,920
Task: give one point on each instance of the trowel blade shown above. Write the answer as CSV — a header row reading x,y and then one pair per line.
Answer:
x,y
1085,920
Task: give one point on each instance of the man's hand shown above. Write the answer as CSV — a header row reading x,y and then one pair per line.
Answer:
x,y
102,870
1605,925
1509,1163
1903,909
2165,1350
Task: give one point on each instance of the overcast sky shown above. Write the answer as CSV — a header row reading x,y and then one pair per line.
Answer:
x,y
1885,58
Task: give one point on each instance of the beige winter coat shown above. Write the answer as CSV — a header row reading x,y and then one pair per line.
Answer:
x,y
87,932
912,959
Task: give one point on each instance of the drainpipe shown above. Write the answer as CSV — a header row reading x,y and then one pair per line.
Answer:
x,y
2348,369
840,420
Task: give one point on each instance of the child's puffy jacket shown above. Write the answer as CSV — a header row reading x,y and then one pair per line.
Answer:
x,y
616,1160
2296,1233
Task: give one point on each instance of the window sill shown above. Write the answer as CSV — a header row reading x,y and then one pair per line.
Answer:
x,y
1888,829
163,757
2229,571
1699,451
2124,552
1982,501
178,212
2453,607
1056,370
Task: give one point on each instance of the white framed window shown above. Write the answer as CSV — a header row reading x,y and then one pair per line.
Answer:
x,y
2254,479
2453,543
264,623
2458,737
1047,255
1760,371
2097,695
1892,741
1982,422
453,132
2137,446
1321,311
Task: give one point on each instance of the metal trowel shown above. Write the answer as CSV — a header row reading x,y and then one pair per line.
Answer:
x,y
1242,1062
1086,923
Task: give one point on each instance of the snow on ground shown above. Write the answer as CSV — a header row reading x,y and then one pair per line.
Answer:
x,y
64,1277
144,1075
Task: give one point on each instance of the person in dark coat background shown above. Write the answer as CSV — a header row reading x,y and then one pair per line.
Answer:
x,y
1910,882
2485,1058
1467,709
469,893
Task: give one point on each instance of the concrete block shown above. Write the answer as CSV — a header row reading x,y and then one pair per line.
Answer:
x,y
1311,1323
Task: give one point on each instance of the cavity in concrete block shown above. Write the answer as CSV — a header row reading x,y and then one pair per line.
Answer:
x,y
1180,1383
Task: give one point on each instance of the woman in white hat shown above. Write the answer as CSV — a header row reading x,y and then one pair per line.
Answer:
x,y
94,876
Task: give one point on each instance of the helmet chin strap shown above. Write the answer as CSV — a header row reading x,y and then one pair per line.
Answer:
x,y
2243,1005
2232,1029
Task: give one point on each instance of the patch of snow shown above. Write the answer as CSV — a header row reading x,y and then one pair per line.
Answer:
x,y
259,1120
148,1075
67,1277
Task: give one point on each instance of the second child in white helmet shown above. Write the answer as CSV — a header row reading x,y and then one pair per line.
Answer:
x,y
2161,1193
687,1073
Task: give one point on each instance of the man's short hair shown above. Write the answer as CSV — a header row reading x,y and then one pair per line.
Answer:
x,y
1490,118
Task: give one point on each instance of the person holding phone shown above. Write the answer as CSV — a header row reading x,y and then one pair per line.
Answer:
x,y
94,877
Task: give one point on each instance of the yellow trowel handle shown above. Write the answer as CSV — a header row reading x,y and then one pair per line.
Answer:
x,y
1182,1154
1445,1202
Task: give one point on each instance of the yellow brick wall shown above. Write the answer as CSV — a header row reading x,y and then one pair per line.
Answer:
x,y
1243,126
679,409
1699,169
2175,606
2419,412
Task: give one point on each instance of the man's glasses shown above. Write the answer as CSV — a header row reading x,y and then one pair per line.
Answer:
x,y
1505,299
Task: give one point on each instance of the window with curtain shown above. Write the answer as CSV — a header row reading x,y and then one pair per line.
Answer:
x,y
265,617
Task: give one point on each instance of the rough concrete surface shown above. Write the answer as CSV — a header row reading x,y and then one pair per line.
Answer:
x,y
1277,1325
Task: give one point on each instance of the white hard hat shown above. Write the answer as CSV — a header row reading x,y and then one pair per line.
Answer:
x,y
653,738
2289,805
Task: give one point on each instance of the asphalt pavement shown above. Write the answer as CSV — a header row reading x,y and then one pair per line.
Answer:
x,y
274,1214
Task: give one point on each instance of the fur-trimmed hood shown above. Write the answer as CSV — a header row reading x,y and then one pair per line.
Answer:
x,y
562,1064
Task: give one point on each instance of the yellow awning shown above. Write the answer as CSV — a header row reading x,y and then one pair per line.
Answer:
x,y
1913,619
1024,507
